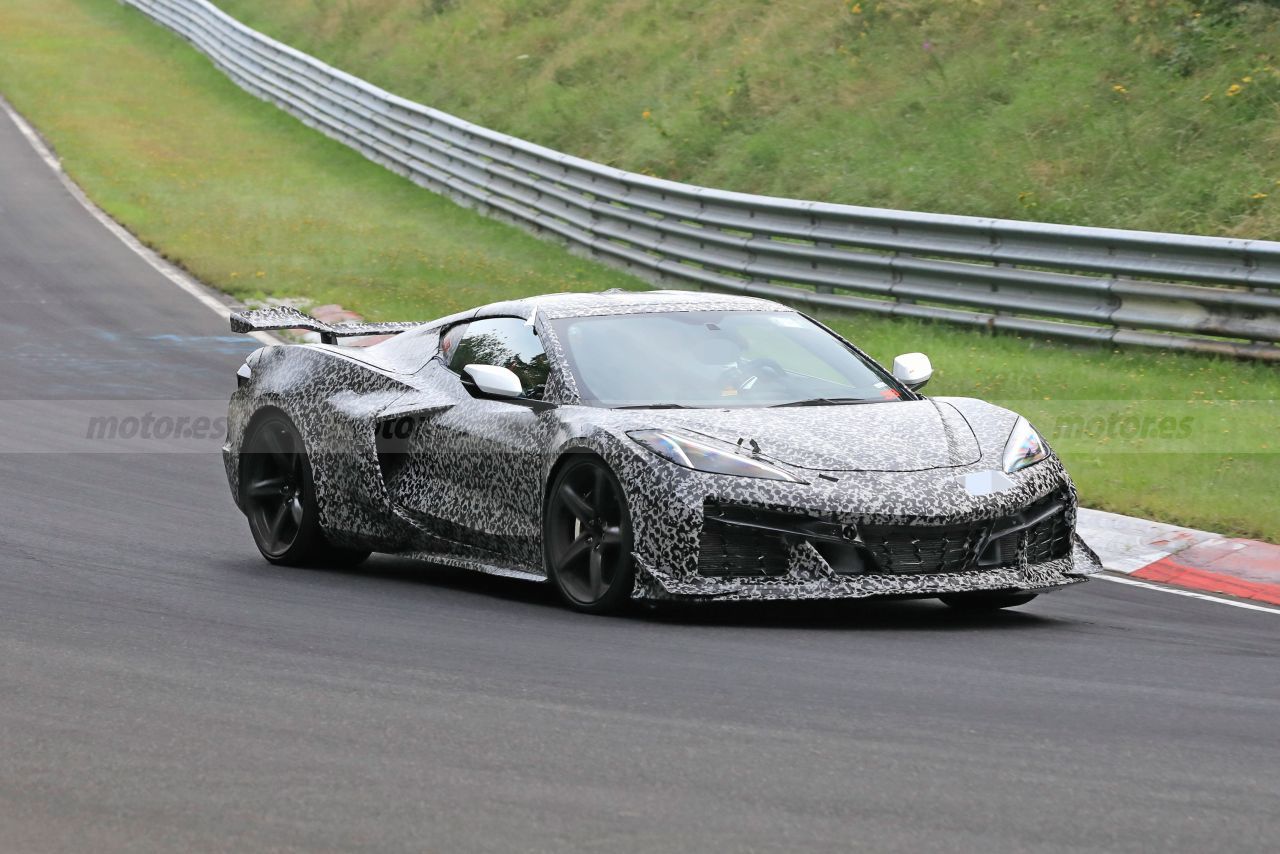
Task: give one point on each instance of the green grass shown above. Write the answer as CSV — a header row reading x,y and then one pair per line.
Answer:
x,y
240,193
256,204
1099,112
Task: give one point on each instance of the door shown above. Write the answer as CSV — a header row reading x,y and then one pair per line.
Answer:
x,y
483,459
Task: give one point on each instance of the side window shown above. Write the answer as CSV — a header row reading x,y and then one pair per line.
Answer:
x,y
507,342
449,342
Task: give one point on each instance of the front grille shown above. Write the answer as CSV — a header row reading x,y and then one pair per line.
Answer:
x,y
1040,529
727,549
914,550
738,540
1049,539
1001,551
743,540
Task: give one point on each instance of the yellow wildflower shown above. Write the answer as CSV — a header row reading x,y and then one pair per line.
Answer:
x,y
646,114
856,8
1258,196
1234,89
1246,79
1120,89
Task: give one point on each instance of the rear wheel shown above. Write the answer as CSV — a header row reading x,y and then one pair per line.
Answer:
x,y
279,498
587,538
986,600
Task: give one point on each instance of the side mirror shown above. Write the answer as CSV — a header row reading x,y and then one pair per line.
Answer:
x,y
493,381
912,370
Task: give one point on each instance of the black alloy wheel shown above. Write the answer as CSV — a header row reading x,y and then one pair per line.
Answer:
x,y
278,496
587,539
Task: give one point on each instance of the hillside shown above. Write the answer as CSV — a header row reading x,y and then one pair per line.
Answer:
x,y
1127,113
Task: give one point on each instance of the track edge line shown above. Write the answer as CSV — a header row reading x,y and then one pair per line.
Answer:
x,y
179,277
1121,578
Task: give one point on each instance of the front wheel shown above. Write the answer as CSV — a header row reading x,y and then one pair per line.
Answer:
x,y
986,600
587,538
279,498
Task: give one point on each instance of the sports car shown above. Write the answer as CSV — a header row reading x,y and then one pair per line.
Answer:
x,y
660,445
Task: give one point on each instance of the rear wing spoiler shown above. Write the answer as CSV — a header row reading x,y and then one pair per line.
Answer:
x,y
283,317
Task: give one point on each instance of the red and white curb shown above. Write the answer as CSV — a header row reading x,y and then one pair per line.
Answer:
x,y
1183,557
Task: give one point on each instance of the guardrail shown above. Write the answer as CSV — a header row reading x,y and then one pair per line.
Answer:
x,y
1209,294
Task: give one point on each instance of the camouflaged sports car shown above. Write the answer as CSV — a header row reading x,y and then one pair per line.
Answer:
x,y
645,445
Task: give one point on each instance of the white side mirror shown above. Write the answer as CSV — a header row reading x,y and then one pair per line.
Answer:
x,y
913,370
494,381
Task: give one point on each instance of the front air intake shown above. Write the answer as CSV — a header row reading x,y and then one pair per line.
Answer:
x,y
747,541
727,549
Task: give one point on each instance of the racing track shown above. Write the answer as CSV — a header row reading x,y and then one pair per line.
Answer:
x,y
161,688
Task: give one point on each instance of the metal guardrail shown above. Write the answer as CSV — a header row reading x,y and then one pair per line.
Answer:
x,y
1211,294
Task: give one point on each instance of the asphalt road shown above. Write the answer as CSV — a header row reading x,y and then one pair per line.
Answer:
x,y
164,689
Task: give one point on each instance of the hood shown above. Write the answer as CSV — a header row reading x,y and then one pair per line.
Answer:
x,y
894,436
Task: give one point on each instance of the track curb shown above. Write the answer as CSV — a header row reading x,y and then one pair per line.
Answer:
x,y
1186,558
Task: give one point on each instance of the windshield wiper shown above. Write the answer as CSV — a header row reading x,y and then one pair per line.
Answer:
x,y
654,406
830,401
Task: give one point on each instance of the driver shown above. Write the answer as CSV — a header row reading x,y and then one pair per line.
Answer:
x,y
738,374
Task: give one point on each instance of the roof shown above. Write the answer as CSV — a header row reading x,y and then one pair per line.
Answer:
x,y
627,302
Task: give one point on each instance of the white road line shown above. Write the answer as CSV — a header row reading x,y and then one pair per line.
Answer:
x,y
161,266
1190,593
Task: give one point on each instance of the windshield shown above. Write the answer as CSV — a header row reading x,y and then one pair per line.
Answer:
x,y
716,359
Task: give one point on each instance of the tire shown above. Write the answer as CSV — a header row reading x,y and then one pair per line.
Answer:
x,y
986,601
278,496
587,537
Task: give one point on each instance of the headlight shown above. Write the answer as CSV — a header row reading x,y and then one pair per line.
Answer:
x,y
702,455
1024,448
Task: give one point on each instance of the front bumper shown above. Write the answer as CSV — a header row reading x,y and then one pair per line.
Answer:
x,y
889,535
1042,577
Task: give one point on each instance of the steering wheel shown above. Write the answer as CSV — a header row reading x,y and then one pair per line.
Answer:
x,y
763,368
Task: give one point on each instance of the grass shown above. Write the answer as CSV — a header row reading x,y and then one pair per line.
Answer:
x,y
241,194
256,204
1126,113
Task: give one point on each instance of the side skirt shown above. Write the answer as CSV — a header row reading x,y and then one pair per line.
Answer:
x,y
474,565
